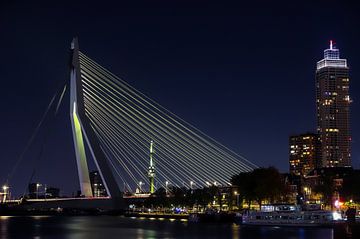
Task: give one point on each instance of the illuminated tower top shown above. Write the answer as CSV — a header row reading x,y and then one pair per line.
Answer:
x,y
331,58
332,52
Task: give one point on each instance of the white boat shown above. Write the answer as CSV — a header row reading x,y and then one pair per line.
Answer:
x,y
290,215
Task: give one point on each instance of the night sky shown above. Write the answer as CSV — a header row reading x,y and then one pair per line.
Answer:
x,y
244,73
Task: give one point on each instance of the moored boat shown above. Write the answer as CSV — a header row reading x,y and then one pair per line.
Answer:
x,y
291,215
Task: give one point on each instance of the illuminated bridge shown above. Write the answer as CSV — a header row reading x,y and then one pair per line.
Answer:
x,y
116,124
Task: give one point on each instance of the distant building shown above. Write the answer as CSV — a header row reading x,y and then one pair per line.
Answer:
x,y
327,175
329,172
293,183
97,184
34,190
52,192
333,101
37,190
303,153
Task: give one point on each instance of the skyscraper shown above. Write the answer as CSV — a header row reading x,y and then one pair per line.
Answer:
x,y
333,101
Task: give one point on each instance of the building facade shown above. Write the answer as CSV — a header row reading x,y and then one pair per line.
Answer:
x,y
304,153
333,116
97,186
52,192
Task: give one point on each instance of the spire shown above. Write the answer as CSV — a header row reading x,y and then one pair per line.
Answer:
x,y
151,173
151,153
332,52
331,58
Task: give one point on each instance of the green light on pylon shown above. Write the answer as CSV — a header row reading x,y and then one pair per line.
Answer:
x,y
151,173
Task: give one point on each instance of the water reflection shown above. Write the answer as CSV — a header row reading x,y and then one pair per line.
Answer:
x,y
235,231
120,227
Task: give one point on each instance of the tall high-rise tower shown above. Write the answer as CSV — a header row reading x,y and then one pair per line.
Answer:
x,y
333,101
151,172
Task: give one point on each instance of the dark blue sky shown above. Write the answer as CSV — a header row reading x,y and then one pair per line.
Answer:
x,y
241,72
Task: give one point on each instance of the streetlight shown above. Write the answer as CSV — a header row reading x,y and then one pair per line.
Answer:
x,y
5,190
237,198
140,188
191,184
307,193
166,187
37,190
45,189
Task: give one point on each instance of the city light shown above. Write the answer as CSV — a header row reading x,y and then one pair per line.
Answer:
x,y
5,192
338,203
336,216
166,187
140,185
307,190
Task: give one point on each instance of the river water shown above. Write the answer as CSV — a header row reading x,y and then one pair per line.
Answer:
x,y
108,227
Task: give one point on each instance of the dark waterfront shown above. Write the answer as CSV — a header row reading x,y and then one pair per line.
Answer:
x,y
39,227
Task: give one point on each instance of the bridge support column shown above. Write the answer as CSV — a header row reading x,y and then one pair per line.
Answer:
x,y
83,171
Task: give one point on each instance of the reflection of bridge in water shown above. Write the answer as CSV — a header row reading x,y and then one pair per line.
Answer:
x,y
115,123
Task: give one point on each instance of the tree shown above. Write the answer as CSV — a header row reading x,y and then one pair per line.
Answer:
x,y
260,184
350,188
178,196
244,183
326,188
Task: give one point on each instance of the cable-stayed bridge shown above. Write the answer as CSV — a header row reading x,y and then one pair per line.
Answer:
x,y
120,122
134,141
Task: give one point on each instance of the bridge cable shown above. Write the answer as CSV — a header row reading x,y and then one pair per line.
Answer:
x,y
47,133
125,120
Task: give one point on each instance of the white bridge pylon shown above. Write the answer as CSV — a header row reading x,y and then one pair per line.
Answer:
x,y
82,130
